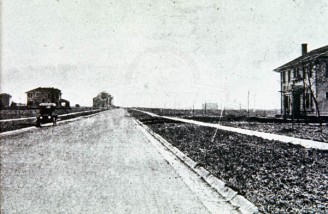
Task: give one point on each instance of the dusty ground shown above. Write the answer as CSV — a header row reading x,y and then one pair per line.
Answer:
x,y
103,164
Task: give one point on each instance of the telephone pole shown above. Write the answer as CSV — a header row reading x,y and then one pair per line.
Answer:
x,y
248,104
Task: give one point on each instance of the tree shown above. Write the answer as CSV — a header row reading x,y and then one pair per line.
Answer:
x,y
314,74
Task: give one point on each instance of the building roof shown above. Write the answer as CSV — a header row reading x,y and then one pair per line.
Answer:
x,y
5,95
103,95
44,89
63,100
310,56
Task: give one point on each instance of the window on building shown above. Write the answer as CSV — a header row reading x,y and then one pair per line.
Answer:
x,y
307,100
29,95
326,69
300,71
310,71
286,104
294,74
327,95
298,74
283,77
289,73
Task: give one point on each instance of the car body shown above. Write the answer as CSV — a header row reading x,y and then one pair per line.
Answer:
x,y
47,114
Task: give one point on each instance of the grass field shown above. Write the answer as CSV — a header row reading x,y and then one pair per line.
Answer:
x,y
239,119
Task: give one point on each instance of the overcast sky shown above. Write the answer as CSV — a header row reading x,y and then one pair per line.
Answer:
x,y
157,53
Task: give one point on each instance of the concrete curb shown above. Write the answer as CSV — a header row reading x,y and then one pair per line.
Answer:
x,y
18,131
239,202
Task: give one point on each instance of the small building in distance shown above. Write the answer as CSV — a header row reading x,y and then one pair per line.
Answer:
x,y
64,103
210,106
4,100
45,95
102,100
304,84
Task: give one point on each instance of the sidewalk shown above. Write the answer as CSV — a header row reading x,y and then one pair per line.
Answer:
x,y
269,136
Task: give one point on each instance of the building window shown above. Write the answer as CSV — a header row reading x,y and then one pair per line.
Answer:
x,y
295,73
289,73
298,74
283,77
307,100
327,95
326,69
310,71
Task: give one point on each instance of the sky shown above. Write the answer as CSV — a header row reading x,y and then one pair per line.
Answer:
x,y
170,54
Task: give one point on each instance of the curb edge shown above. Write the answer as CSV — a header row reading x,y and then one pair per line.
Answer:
x,y
231,196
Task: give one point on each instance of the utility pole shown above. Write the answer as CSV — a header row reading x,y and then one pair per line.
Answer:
x,y
248,104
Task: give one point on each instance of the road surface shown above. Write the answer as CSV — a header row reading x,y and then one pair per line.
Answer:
x,y
101,164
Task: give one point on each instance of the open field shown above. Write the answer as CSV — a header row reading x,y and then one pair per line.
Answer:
x,y
227,113
277,177
238,119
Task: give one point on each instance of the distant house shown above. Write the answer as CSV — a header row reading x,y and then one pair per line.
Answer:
x,y
4,100
210,106
102,100
304,82
45,95
20,104
64,103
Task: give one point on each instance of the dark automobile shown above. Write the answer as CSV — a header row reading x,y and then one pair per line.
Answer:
x,y
47,114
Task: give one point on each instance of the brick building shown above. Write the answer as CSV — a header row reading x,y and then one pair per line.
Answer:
x,y
4,100
45,95
102,100
304,83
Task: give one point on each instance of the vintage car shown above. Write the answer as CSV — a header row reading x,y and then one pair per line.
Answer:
x,y
47,114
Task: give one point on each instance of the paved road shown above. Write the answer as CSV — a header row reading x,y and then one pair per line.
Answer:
x,y
101,164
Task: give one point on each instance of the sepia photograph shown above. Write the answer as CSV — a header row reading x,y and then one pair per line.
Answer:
x,y
173,106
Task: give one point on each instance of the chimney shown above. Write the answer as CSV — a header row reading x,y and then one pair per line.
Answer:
x,y
304,49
